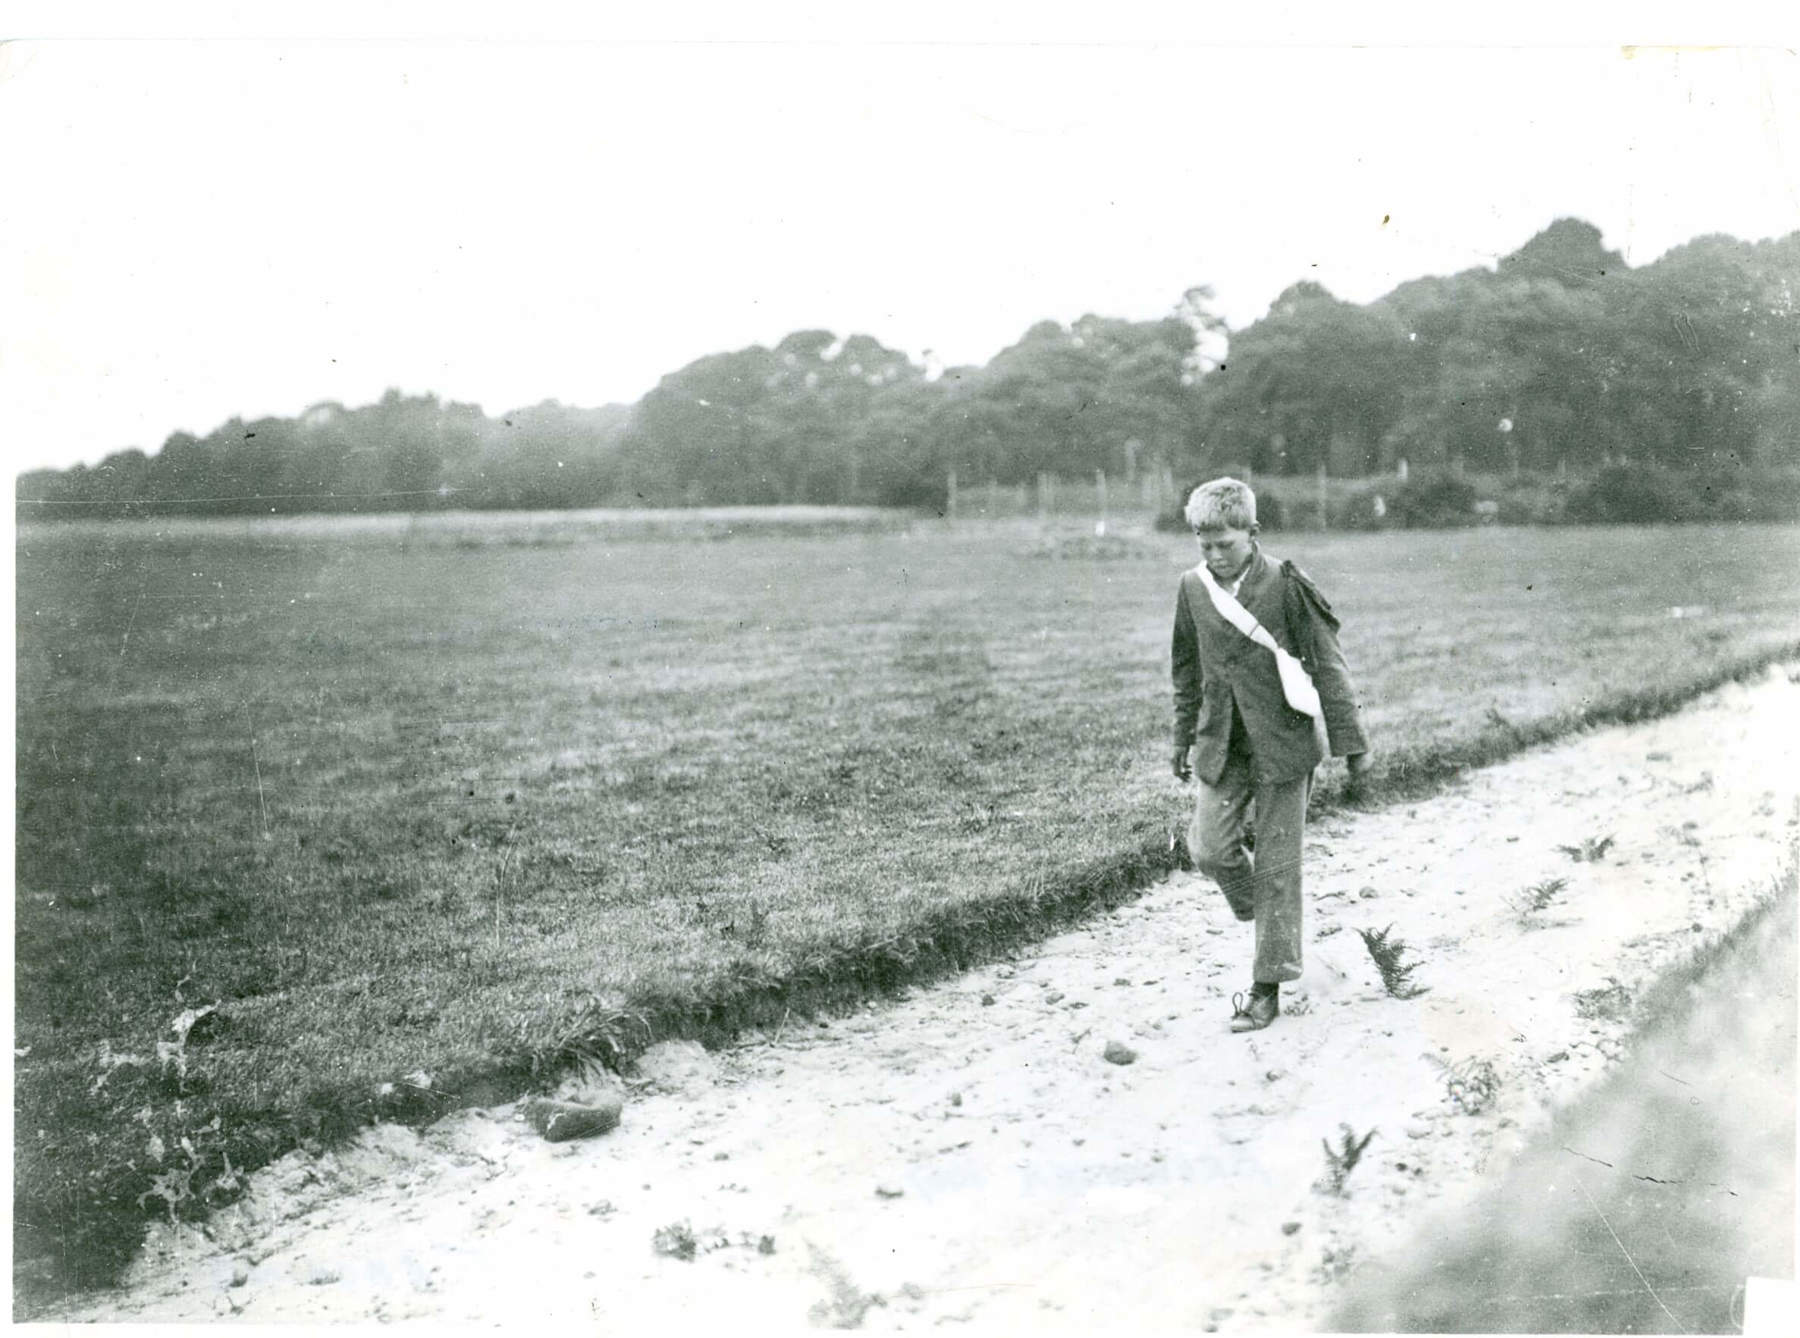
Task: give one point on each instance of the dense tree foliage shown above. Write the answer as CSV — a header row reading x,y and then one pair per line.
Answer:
x,y
401,453
816,419
1560,358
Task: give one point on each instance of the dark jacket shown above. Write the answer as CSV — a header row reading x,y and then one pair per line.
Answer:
x,y
1220,673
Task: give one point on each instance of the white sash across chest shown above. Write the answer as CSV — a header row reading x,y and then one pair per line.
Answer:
x,y
1296,683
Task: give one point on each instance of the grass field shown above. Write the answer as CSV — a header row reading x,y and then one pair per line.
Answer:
x,y
455,800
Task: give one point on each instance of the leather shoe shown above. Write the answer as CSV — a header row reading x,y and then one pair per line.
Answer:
x,y
1257,1013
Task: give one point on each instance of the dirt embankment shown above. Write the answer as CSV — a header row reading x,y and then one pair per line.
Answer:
x,y
968,1154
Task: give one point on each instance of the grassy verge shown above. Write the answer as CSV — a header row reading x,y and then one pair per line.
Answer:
x,y
1647,1203
1738,958
421,820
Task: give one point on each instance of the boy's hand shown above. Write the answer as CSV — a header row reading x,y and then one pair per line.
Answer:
x,y
1180,761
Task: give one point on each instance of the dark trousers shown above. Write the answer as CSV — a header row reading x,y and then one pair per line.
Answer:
x,y
1263,886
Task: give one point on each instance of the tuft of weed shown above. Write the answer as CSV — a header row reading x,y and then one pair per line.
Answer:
x,y
1389,954
1341,1160
1535,898
1472,1085
675,1241
1591,850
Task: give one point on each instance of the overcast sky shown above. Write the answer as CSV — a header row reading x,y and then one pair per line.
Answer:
x,y
191,230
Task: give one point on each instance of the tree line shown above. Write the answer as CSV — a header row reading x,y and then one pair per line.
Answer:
x,y
1561,358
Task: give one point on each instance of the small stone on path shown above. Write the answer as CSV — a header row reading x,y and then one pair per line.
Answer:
x,y
1116,1053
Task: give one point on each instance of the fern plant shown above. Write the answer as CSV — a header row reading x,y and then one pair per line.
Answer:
x,y
1535,898
1389,954
1341,1160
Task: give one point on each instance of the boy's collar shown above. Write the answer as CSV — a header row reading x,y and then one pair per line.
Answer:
x,y
1255,553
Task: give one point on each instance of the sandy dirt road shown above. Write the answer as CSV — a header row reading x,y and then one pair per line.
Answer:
x,y
966,1156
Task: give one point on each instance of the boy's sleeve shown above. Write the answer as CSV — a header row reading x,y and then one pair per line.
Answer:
x,y
1313,627
1184,666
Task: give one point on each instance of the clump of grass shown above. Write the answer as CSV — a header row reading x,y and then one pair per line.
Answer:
x,y
1341,1160
1591,850
675,1241
1535,898
1472,1086
1612,1001
1389,954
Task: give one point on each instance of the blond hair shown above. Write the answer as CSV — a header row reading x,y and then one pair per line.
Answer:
x,y
1224,503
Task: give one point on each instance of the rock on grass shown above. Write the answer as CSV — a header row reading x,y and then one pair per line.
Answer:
x,y
1116,1053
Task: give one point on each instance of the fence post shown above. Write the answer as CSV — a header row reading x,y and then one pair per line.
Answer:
x,y
950,494
1324,500
1100,481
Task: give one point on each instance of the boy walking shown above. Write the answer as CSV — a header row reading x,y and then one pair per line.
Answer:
x,y
1257,670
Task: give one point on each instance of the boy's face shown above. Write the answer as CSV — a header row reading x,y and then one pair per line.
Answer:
x,y
1226,550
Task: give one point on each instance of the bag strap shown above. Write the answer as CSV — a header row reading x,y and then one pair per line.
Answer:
x,y
1296,684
